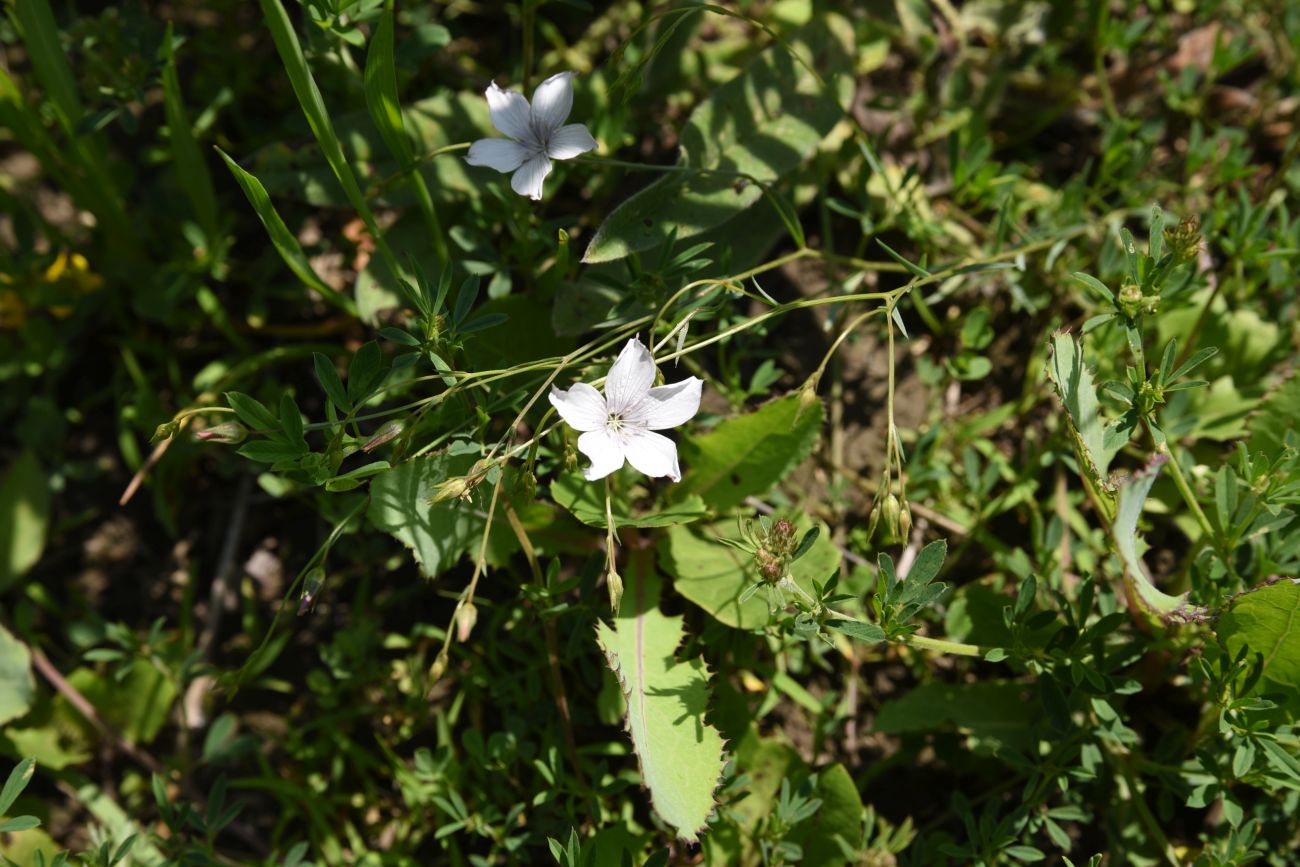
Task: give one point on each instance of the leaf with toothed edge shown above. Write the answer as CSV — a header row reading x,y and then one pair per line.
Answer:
x,y
681,755
1154,604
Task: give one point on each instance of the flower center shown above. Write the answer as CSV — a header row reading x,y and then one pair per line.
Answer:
x,y
614,423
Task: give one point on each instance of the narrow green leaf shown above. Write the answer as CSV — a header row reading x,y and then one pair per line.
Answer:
x,y
465,299
17,780
365,372
291,421
281,238
353,479
928,563
191,171
680,754
1100,289
381,89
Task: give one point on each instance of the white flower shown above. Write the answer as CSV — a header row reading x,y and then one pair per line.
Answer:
x,y
620,424
538,133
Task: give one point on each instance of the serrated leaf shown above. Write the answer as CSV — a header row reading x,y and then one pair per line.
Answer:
x,y
747,454
586,501
1098,441
679,752
1267,620
716,576
764,122
1143,595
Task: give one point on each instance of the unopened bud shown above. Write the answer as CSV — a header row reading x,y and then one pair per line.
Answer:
x,y
439,668
390,431
905,522
230,433
890,520
165,431
614,583
1130,300
1185,238
310,587
525,486
451,489
807,399
466,617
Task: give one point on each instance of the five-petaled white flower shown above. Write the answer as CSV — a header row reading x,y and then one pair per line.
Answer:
x,y
620,424
538,134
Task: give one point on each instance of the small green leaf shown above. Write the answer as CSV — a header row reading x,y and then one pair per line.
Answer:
x,y
680,754
868,632
1097,441
329,380
253,413
365,372
353,479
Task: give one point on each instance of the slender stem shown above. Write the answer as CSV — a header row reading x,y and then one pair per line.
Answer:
x,y
942,645
612,579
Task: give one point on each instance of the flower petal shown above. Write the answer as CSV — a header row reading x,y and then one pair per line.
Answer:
x,y
509,111
581,407
651,453
605,450
501,154
552,101
669,405
570,140
528,180
630,377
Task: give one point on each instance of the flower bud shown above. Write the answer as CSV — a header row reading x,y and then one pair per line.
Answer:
x,y
390,431
230,433
905,521
1185,238
890,520
807,399
310,587
1130,300
439,668
451,489
466,617
524,486
614,583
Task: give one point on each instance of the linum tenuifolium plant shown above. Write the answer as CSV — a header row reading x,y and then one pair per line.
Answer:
x,y
430,492
439,437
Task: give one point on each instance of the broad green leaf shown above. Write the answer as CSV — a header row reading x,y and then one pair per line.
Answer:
x,y
1143,595
762,124
137,706
1267,620
714,575
281,238
1275,417
17,687
681,755
586,501
994,713
438,534
1098,441
747,454
24,515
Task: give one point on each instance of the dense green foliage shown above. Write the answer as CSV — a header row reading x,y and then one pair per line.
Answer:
x,y
983,550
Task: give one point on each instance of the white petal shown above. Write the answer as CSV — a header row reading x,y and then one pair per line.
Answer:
x,y
653,454
509,111
668,405
528,180
501,154
581,407
630,377
605,451
553,100
570,140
